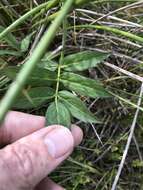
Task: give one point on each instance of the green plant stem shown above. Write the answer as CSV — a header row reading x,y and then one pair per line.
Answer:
x,y
84,165
57,89
126,101
110,29
48,5
100,27
58,83
60,62
27,68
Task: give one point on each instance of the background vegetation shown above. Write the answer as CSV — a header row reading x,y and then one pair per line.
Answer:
x,y
110,26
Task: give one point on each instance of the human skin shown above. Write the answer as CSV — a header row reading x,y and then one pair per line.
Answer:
x,y
32,151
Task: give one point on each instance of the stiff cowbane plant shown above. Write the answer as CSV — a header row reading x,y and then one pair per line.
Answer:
x,y
56,83
38,53
60,78
60,86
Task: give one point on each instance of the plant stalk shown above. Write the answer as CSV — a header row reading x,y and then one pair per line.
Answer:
x,y
28,67
110,29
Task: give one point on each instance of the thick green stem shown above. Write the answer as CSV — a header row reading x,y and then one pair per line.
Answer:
x,y
110,29
28,67
48,5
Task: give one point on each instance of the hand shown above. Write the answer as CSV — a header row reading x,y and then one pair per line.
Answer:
x,y
34,151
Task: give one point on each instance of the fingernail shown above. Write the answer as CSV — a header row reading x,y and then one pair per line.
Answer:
x,y
59,141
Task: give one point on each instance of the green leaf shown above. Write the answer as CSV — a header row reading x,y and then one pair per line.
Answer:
x,y
25,43
77,107
10,52
38,77
83,60
58,114
49,65
47,62
10,39
84,86
33,97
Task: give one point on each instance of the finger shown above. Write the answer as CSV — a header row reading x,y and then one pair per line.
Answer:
x,y
34,157
17,125
48,184
77,136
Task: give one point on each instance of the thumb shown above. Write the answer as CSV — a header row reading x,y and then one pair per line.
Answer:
x,y
26,162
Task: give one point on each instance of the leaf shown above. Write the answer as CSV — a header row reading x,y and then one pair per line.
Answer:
x,y
83,60
34,97
10,39
84,86
48,64
58,114
76,107
25,43
10,52
38,77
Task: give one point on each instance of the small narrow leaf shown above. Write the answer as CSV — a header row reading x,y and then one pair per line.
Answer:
x,y
83,60
58,114
25,43
33,97
38,77
10,39
48,64
9,52
84,86
77,107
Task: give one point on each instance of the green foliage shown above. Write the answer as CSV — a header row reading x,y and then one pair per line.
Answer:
x,y
10,39
20,48
102,148
64,103
25,43
77,107
137,163
83,60
12,42
34,97
47,63
39,77
57,113
9,52
83,85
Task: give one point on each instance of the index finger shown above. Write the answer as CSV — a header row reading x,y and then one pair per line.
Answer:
x,y
17,125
